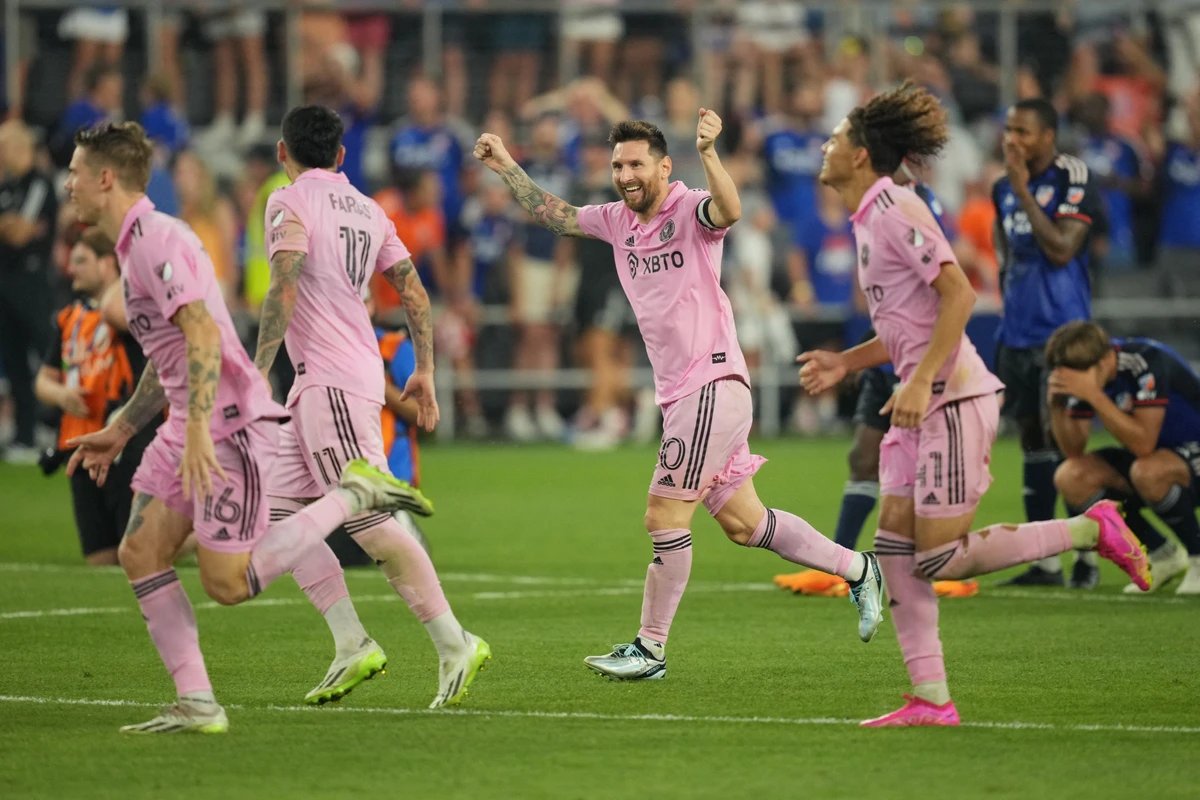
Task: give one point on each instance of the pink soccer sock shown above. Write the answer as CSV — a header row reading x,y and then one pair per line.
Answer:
x,y
666,578
404,562
172,626
993,548
914,608
287,541
318,572
795,540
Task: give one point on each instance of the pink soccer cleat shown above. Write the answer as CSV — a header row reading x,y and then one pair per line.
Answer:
x,y
915,712
1118,544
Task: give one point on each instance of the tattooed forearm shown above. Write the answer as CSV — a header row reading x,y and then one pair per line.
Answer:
x,y
204,359
403,276
146,403
548,210
277,308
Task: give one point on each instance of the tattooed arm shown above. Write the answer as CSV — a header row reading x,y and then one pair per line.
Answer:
x,y
146,403
204,372
277,307
404,278
547,210
419,387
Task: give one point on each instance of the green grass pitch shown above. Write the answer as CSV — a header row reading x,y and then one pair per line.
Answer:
x,y
542,552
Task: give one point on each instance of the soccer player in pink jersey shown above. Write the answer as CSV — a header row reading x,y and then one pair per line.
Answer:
x,y
934,461
203,472
325,241
667,241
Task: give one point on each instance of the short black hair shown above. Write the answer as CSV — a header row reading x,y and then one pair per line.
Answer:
x,y
638,130
313,135
1046,113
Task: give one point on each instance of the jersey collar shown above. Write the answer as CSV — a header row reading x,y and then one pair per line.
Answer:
x,y
143,206
317,174
878,186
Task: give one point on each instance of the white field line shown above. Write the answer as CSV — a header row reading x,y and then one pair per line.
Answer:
x,y
587,715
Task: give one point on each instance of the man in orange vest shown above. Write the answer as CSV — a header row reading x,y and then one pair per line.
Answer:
x,y
90,369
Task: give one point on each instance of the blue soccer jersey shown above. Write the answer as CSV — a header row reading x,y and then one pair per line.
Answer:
x,y
1113,157
1039,295
1181,200
437,148
793,162
1150,374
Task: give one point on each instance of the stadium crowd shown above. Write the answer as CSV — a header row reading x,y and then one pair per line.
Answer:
x,y
510,295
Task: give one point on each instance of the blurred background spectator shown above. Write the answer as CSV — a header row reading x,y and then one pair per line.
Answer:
x,y
416,82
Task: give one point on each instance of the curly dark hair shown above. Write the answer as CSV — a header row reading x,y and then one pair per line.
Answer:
x,y
637,130
905,122
121,146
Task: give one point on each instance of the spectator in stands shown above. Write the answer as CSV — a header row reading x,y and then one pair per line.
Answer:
x,y
791,151
211,217
586,106
239,60
1128,76
822,268
482,264
99,33
540,289
166,127
28,212
1179,234
103,100
591,30
652,40
426,140
261,175
89,370
517,42
353,86
678,125
1122,175
763,327
975,81
414,205
770,36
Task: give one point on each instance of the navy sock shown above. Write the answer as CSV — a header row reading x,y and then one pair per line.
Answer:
x,y
1038,475
1178,510
858,501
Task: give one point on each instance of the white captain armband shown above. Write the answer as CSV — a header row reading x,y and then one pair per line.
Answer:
x,y
703,215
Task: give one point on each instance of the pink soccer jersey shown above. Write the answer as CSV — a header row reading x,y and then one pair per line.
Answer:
x,y
901,250
348,238
670,269
163,268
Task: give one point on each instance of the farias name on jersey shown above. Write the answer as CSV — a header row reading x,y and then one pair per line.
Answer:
x,y
349,204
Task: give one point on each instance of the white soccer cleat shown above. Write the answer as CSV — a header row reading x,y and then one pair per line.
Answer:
x,y
375,490
1166,563
1190,585
867,597
456,675
629,662
184,716
346,673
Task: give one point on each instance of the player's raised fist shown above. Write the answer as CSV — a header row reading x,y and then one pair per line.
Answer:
x,y
707,129
489,149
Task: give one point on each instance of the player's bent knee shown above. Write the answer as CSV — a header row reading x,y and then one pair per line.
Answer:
x,y
1152,477
228,590
1070,474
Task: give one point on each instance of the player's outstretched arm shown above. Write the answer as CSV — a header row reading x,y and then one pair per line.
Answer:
x,y
726,206
548,210
277,307
403,277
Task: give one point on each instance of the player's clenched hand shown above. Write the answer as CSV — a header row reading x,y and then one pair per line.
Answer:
x,y
489,149
199,462
908,403
1079,383
820,370
419,387
707,129
97,451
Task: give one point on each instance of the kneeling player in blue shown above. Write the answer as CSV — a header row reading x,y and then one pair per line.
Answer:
x,y
1148,398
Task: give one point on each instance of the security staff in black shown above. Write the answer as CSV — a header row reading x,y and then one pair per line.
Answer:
x,y
28,213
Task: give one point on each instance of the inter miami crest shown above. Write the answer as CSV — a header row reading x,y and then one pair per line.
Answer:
x,y
633,265
668,231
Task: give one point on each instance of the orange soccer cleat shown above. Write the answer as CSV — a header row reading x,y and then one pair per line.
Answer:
x,y
956,588
814,582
